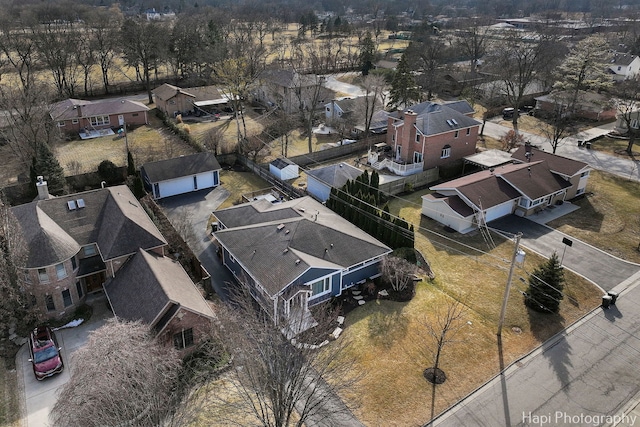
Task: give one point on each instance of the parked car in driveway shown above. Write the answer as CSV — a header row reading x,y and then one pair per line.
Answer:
x,y
45,353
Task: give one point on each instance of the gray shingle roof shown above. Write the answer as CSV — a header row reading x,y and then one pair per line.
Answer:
x,y
147,283
254,213
433,118
281,162
177,167
68,109
167,91
315,236
112,218
462,106
336,175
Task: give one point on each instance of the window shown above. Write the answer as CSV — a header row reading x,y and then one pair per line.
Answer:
x,y
446,152
455,135
583,174
43,276
183,339
195,182
580,191
48,300
468,131
134,115
74,121
321,286
417,157
156,189
79,289
89,250
417,137
99,120
74,263
61,124
231,258
61,272
66,298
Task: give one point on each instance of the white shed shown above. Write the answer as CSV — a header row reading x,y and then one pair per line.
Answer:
x,y
321,180
181,175
283,169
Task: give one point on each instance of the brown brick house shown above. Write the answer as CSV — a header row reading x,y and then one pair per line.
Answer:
x,y
427,136
156,290
77,241
76,116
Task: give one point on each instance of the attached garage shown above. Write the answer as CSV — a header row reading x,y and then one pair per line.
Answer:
x,y
181,175
499,211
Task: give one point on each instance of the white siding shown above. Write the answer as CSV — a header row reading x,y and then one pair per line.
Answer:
x,y
289,172
499,211
186,184
441,212
319,190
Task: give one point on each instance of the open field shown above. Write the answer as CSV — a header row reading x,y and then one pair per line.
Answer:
x,y
393,350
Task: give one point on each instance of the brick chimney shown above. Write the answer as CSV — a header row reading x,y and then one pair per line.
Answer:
x,y
43,190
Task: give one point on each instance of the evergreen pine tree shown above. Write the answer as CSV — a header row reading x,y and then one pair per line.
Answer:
x,y
546,284
403,86
45,164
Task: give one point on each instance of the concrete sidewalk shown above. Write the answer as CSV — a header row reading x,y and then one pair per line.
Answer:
x,y
623,167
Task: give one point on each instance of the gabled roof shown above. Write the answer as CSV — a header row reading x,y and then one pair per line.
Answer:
x,y
287,78
167,91
461,106
177,167
454,202
206,93
336,175
346,105
557,164
77,108
111,217
535,180
281,163
276,252
622,59
147,284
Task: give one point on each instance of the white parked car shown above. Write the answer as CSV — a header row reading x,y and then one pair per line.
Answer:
x,y
346,141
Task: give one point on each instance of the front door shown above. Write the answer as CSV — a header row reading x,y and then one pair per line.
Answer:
x,y
120,120
94,282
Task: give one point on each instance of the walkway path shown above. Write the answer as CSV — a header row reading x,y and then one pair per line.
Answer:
x,y
620,166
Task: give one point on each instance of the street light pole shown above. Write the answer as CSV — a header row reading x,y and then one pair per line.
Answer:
x,y
503,312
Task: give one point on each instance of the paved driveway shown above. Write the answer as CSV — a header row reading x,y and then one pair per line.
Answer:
x,y
603,269
196,207
40,396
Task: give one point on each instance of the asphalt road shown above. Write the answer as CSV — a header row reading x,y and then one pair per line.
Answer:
x,y
576,378
196,207
601,268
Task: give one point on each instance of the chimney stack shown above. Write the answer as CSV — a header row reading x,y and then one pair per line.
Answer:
x,y
43,190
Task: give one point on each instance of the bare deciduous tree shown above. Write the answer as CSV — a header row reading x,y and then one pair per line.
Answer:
x,y
134,387
472,41
628,107
284,382
398,272
511,140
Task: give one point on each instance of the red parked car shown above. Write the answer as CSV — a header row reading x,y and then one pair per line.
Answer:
x,y
45,353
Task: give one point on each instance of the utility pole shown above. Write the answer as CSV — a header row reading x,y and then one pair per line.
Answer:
x,y
516,252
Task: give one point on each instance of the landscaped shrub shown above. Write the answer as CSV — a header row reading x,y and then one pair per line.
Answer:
x,y
109,172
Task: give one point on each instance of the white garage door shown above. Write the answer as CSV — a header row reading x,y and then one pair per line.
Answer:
x,y
499,211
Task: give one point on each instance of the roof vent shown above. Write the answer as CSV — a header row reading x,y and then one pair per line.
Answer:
x,y
280,227
301,209
454,122
71,204
449,123
297,261
287,231
80,203
285,250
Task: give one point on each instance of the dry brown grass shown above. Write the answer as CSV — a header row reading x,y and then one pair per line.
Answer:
x,y
9,404
616,147
147,143
388,338
239,183
609,216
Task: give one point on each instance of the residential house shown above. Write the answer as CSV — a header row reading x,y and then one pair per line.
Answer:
x,y
283,169
202,100
76,242
378,123
535,180
455,82
339,108
589,105
156,290
426,136
181,175
632,117
88,118
290,91
321,180
624,66
301,254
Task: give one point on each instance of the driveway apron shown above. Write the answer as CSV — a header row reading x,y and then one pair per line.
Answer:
x,y
601,268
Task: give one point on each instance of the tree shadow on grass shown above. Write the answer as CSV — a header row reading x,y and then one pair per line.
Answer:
x,y
387,325
558,353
